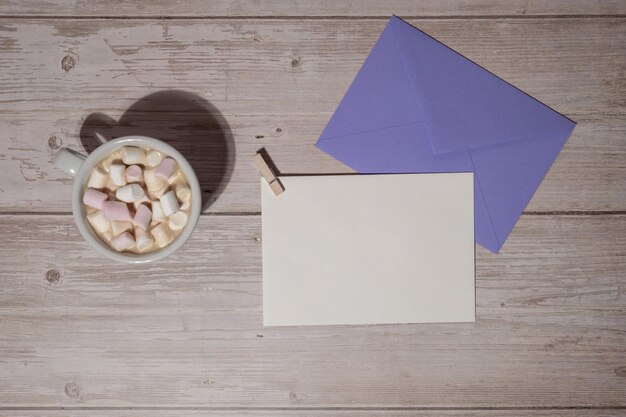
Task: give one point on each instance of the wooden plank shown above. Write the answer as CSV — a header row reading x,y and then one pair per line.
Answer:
x,y
253,67
589,174
78,330
287,8
314,413
274,84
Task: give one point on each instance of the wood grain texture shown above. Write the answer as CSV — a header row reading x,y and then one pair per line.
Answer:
x,y
82,336
275,84
77,330
285,8
355,412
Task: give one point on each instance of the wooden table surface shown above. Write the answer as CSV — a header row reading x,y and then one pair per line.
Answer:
x,y
82,336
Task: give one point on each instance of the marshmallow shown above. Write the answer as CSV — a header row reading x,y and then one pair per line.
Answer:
x,y
98,178
153,183
106,162
153,158
157,212
132,155
169,203
134,173
144,240
166,168
94,198
99,223
144,199
177,220
118,174
143,216
130,193
158,193
119,227
183,193
107,236
116,210
134,198
162,234
177,178
123,242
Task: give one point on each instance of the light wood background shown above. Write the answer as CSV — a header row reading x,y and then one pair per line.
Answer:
x,y
81,336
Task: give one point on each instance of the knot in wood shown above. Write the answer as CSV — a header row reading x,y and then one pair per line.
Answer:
x,y
72,390
54,143
53,276
68,62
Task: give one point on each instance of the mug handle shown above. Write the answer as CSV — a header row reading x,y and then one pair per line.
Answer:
x,y
69,160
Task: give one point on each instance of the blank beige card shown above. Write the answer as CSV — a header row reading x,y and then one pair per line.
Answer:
x,y
368,249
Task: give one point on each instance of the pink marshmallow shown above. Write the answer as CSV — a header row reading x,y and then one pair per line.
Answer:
x,y
123,241
166,168
94,198
116,210
134,173
143,216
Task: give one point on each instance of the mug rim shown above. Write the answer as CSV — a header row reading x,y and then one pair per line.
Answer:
x,y
80,182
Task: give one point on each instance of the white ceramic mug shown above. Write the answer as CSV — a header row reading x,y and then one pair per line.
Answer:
x,y
80,167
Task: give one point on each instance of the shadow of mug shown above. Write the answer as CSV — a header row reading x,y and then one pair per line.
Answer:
x,y
182,119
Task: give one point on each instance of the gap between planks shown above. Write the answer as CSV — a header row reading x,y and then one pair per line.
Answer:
x,y
258,213
200,408
304,17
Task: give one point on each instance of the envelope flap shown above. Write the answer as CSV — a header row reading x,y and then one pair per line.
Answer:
x,y
463,106
379,96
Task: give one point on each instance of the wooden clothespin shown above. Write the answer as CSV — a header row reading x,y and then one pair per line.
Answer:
x,y
268,174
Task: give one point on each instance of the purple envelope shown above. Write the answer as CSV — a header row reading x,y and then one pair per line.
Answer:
x,y
418,106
